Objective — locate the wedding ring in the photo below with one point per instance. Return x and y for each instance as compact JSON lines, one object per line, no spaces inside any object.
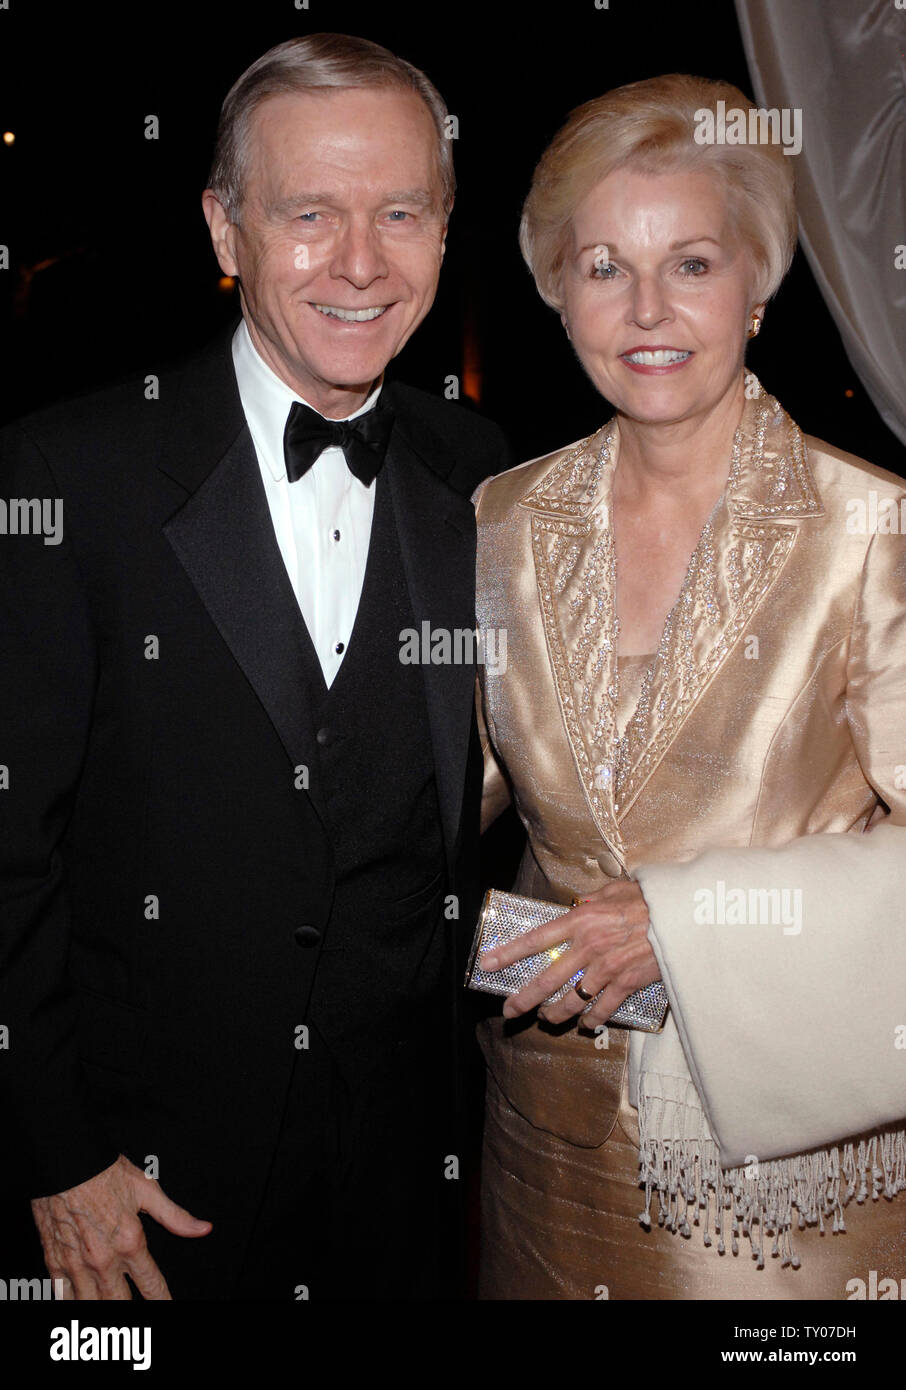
{"x":583,"y":994}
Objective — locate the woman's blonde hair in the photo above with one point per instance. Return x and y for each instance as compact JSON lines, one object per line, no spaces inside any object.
{"x":650,"y":127}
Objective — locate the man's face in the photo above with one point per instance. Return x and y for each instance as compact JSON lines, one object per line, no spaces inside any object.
{"x":341,"y":237}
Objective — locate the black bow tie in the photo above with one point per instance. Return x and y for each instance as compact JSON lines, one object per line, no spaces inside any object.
{"x":363,"y":440}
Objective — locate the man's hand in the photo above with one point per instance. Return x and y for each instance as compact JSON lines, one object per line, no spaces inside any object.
{"x":93,"y":1237}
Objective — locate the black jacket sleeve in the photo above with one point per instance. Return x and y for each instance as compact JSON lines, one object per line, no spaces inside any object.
{"x":47,"y":689}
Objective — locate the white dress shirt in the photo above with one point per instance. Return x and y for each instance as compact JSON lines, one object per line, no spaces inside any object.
{"x":322,"y":522}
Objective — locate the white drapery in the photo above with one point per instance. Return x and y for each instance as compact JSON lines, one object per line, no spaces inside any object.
{"x":843,"y":64}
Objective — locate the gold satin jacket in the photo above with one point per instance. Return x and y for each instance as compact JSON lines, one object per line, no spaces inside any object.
{"x":777,"y":703}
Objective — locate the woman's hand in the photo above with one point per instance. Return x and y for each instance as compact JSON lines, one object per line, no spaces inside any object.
{"x":608,"y":939}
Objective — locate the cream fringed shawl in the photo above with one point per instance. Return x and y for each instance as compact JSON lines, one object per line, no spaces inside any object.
{"x":760,"y":1119}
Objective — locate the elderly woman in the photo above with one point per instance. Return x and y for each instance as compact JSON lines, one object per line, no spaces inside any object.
{"x":703,"y":710}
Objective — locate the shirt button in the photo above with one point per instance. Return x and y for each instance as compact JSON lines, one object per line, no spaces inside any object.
{"x":307,"y":936}
{"x":336,"y":535}
{"x":340,"y":647}
{"x":323,"y":737}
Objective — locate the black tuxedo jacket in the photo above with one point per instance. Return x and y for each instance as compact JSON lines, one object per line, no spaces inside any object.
{"x":158,"y":857}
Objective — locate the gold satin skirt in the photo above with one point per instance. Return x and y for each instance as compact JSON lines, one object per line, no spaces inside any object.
{"x":560,"y":1203}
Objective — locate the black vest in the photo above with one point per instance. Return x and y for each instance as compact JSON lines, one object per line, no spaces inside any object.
{"x":383,"y":956}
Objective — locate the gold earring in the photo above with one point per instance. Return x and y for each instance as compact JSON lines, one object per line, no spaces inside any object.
{"x":754,"y":326}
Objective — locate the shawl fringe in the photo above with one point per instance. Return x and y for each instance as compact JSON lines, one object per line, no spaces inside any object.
{"x":679,"y":1160}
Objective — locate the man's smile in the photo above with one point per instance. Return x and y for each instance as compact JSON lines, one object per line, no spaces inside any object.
{"x":351,"y":315}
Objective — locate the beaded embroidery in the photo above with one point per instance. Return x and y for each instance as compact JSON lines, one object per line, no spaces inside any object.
{"x":738,"y":556}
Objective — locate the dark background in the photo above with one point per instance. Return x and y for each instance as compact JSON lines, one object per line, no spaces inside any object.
{"x":112,"y":271}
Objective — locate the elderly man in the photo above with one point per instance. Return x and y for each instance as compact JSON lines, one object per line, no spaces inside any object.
{"x":236,"y":820}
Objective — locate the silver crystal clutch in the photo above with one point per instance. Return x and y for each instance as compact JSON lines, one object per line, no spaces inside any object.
{"x":504,"y":916}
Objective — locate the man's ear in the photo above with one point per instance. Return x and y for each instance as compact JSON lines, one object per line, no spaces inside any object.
{"x":222,"y":232}
{"x":446,"y":228}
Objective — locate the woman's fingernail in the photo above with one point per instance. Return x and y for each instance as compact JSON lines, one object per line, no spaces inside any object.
{"x":489,"y":962}
{"x":508,"y":1010}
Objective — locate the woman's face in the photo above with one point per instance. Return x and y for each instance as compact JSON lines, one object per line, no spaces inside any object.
{"x":658,"y":294}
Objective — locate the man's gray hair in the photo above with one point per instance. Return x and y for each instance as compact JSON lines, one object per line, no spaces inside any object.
{"x":316,"y":63}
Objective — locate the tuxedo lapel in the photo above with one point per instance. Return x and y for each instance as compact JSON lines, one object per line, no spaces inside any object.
{"x":436,"y":528}
{"x":224,"y":539}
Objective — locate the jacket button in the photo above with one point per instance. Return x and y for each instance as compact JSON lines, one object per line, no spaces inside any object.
{"x":323,"y":737}
{"x":307,"y":936}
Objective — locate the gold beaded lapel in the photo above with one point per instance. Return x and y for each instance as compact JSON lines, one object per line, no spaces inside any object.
{"x":742,"y":549}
